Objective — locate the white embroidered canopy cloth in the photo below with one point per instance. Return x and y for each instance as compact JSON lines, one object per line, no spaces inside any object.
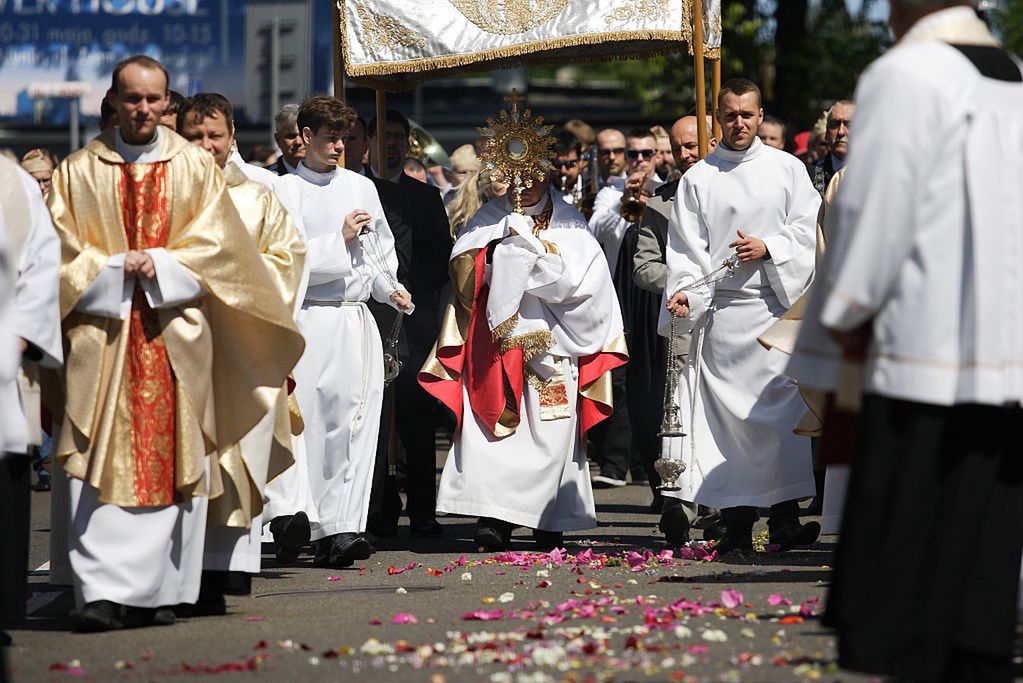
{"x":405,"y":42}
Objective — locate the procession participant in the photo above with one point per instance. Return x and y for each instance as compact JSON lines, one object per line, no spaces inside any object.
{"x":38,"y":164}
{"x":615,"y":450}
{"x":161,"y":289}
{"x":610,"y":156}
{"x":289,"y":139}
{"x":836,"y":134}
{"x":234,"y":524}
{"x":33,"y":257}
{"x":566,"y":181}
{"x":527,"y":342}
{"x":169,"y":118}
{"x":645,"y":244}
{"x":739,"y":410}
{"x":772,"y":132}
{"x":923,"y":283}
{"x":428,"y":273}
{"x":340,"y":378}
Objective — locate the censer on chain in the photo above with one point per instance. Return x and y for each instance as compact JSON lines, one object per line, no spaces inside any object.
{"x":392,"y":365}
{"x":667,"y":467}
{"x":670,"y":468}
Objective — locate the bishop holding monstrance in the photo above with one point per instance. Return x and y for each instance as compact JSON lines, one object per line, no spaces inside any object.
{"x":525,"y":351}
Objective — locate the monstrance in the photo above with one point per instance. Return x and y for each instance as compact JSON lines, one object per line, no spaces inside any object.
{"x":516,"y":148}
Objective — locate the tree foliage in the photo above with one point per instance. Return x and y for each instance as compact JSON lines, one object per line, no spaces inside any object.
{"x":804,"y":55}
{"x":1007,"y":17}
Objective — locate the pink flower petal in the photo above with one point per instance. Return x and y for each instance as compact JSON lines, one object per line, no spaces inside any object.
{"x":392,"y":570}
{"x":333,"y":578}
{"x":483,"y":615}
{"x":774,"y":600}
{"x":731,"y":598}
{"x":404,"y":618}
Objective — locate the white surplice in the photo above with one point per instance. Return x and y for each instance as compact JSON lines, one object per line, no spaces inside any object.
{"x":737,"y":407}
{"x":944,"y":301}
{"x":537,"y":476}
{"x":35,"y":315}
{"x":340,"y":377}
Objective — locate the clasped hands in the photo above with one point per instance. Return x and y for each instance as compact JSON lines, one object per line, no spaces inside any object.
{"x":748,"y":248}
{"x":139,"y":263}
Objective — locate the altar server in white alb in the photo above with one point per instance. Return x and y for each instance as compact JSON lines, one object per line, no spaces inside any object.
{"x":340,"y":378}
{"x":737,"y":407}
{"x":923,"y":281}
{"x":523,"y":361}
{"x":34,"y":327}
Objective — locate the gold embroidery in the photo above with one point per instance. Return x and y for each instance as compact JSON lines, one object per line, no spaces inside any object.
{"x":533,"y":343}
{"x":383,"y":32}
{"x":505,"y":328}
{"x":649,"y":9}
{"x":552,"y":393}
{"x":508,"y":17}
{"x":711,"y":27}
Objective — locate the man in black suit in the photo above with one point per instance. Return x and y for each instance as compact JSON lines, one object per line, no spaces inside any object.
{"x":415,"y":410}
{"x":289,"y":140}
{"x":837,"y":136}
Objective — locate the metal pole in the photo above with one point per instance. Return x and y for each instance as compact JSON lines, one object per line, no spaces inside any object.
{"x":701,"y":85}
{"x":75,"y":142}
{"x":275,"y":71}
{"x":382,"y":134}
{"x":715,"y":89}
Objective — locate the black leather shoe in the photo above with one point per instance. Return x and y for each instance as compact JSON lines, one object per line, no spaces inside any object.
{"x":141,"y":617}
{"x":492,"y":535}
{"x":674,"y":525}
{"x":98,"y":616}
{"x":291,"y":533}
{"x":715,"y":530}
{"x":43,"y":484}
{"x":790,"y":537}
{"x":164,"y":616}
{"x":740,"y":540}
{"x":548,"y":540}
{"x":346,"y":549}
{"x":428,"y":526}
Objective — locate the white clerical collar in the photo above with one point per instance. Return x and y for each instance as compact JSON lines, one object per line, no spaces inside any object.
{"x":137,"y":153}
{"x":951,"y":25}
{"x":288,"y":167}
{"x":737,"y":156}
{"x":539,"y":207}
{"x":314,"y":177}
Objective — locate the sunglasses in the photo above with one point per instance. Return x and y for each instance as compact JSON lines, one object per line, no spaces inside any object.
{"x":611,"y":151}
{"x":634,"y":154}
{"x":566,"y":163}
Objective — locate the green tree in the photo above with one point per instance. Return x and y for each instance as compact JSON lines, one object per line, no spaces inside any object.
{"x":1007,"y":18}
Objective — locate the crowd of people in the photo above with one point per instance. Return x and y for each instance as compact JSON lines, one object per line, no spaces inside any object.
{"x":219,"y":350}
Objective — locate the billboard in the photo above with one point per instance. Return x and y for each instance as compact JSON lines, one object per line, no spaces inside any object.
{"x":201,"y":42}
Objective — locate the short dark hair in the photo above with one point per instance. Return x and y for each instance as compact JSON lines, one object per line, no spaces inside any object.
{"x":362,"y":122}
{"x":145,"y":62}
{"x":324,"y":111}
{"x":641,"y":133}
{"x":565,"y":141}
{"x":390,"y":116}
{"x":176,"y":100}
{"x":205,"y":105}
{"x":778,"y":122}
{"x":738,"y":86}
{"x":106,"y":111}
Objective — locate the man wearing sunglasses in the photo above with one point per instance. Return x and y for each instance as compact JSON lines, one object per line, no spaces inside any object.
{"x":610,"y":154}
{"x":565,"y":181}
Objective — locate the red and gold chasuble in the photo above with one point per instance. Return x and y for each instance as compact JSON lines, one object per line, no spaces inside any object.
{"x":149,"y":378}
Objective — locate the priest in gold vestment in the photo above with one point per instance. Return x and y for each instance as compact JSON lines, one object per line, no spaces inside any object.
{"x":234,"y":524}
{"x":177,"y":344}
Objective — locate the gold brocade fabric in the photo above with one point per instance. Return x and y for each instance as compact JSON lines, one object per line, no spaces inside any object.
{"x":229,"y":351}
{"x":245,"y":471}
{"x":600,"y":389}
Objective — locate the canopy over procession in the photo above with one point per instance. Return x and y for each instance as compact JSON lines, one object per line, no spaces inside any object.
{"x":204,"y":357}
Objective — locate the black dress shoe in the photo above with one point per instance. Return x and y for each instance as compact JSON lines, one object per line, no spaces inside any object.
{"x":674,"y":525}
{"x":740,"y":540}
{"x":291,"y":533}
{"x":548,"y":540}
{"x":714,"y":531}
{"x":98,"y":616}
{"x":428,"y":526}
{"x":492,"y":535}
{"x":346,"y":549}
{"x":141,"y":617}
{"x":790,"y":537}
{"x":43,"y":484}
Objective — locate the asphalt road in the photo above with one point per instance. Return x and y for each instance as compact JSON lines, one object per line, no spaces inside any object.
{"x":431,"y":610}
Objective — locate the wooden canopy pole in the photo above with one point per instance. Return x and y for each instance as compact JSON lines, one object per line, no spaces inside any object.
{"x":339,"y":63}
{"x":381,"y":134}
{"x":701,"y":84}
{"x":715,"y":89}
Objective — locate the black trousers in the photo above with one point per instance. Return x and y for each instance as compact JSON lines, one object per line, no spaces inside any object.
{"x":15,"y":510}
{"x":416,"y":419}
{"x":928,"y":562}
{"x":612,"y":438}
{"x":384,"y":501}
